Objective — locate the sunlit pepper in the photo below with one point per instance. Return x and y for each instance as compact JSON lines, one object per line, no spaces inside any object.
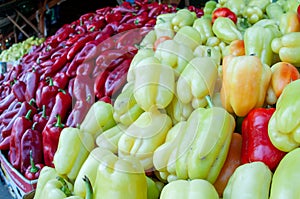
{"x":120,"y":178}
{"x":204,"y":26}
{"x":196,"y":81}
{"x":197,"y":188}
{"x":226,"y":30}
{"x":283,"y":128}
{"x":150,"y":129}
{"x":251,"y":179}
{"x":289,"y":22}
{"x":154,"y":84}
{"x":253,"y":79}
{"x":288,"y":47}
{"x":285,"y":181}
{"x":68,"y":162}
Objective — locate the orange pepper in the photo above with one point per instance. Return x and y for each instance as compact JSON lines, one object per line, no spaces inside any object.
{"x":232,"y":161}
{"x":237,"y":48}
{"x":289,"y":22}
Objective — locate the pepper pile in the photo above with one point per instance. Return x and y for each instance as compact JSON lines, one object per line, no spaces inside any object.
{"x":55,"y":84}
{"x":175,"y":123}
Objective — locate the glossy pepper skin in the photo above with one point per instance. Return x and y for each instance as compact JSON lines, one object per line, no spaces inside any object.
{"x":33,"y":171}
{"x":288,"y":47}
{"x":120,"y":178}
{"x":226,"y":30}
{"x":224,"y":12}
{"x":68,"y":162}
{"x":283,"y":126}
{"x":251,"y":179}
{"x":253,"y":77}
{"x":256,"y":142}
{"x":285,"y":180}
{"x":197,"y":188}
{"x":183,"y":17}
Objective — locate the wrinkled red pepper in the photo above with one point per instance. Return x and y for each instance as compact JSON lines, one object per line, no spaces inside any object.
{"x":224,"y":12}
{"x":31,"y":149}
{"x":58,"y":64}
{"x":51,"y":135}
{"x":19,"y":127}
{"x":256,"y":144}
{"x":34,"y":170}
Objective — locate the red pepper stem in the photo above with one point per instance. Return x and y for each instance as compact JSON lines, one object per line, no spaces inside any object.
{"x":65,"y":187}
{"x":89,"y":188}
{"x":33,"y":168}
{"x":44,"y":112}
{"x":209,"y":101}
{"x":28,"y":114}
{"x":58,"y":122}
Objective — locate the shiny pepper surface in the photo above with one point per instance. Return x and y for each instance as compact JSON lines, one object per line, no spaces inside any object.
{"x":244,"y":85}
{"x":154,"y":84}
{"x":226,"y":30}
{"x":198,"y":148}
{"x":283,"y":128}
{"x":183,"y":17}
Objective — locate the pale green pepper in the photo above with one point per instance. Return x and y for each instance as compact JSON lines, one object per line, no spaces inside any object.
{"x":285,"y":181}
{"x":283,"y":128}
{"x":261,"y":4}
{"x":196,"y":81}
{"x":148,"y":40}
{"x":183,"y":17}
{"x":209,"y":7}
{"x":174,"y":54}
{"x":126,"y":110}
{"x":143,"y":136}
{"x":204,"y":26}
{"x":188,"y":36}
{"x":56,"y":188}
{"x":154,"y":84}
{"x":289,"y":22}
{"x":208,"y":51}
{"x":251,"y":180}
{"x":179,"y":111}
{"x":120,"y":178}
{"x":192,"y":189}
{"x":226,"y":30}
{"x":68,"y":162}
{"x":253,"y":14}
{"x":236,"y":6}
{"x":274,"y":11}
{"x":164,"y":29}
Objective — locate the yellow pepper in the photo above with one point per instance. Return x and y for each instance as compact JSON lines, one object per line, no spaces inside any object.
{"x":184,"y":189}
{"x":283,"y":128}
{"x":196,"y":81}
{"x":120,"y":178}
{"x":244,"y":84}
{"x":154,"y":84}
{"x":251,"y":180}
{"x":73,"y":148}
{"x":143,"y":136}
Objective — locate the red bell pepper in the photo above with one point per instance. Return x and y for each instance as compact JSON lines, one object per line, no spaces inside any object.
{"x":51,"y":135}
{"x":19,"y":127}
{"x":40,"y":120}
{"x":10,"y":112}
{"x":34,"y":170}
{"x":83,"y":89}
{"x":79,"y":45}
{"x":96,"y":25}
{"x":113,"y":16}
{"x":31,"y":148}
{"x":78,"y":113}
{"x":31,"y":81}
{"x":58,"y":64}
{"x":224,"y":12}
{"x":86,"y":68}
{"x":256,"y":144}
{"x":19,"y":89}
{"x":61,"y":80}
{"x":5,"y":143}
{"x":109,"y":59}
{"x":155,"y":10}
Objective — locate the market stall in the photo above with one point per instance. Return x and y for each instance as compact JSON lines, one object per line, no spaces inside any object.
{"x":150,"y":99}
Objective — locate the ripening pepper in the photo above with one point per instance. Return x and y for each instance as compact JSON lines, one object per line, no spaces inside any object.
{"x":199,"y":148}
{"x":183,"y":17}
{"x":289,"y":22}
{"x":184,"y":189}
{"x":226,"y":30}
{"x":68,"y":162}
{"x":282,"y":74}
{"x":257,"y":41}
{"x":253,"y":79}
{"x":120,"y":178}
{"x":174,"y":54}
{"x":154,"y":84}
{"x":251,"y":180}
{"x":150,"y":129}
{"x":285,"y":181}
{"x":98,"y":119}
{"x":196,"y":81}
{"x":204,"y":26}
{"x":288,"y":47}
{"x":283,"y":128}
{"x":256,"y":145}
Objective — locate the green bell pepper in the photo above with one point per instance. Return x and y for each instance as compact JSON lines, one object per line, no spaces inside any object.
{"x":250,"y":180}
{"x":285,"y":181}
{"x":284,"y":125}
{"x":226,"y":30}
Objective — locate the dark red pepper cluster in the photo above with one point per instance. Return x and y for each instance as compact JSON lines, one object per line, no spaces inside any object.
{"x":55,"y":84}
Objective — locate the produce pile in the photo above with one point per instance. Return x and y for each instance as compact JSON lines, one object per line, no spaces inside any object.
{"x":17,"y":50}
{"x":199,"y":104}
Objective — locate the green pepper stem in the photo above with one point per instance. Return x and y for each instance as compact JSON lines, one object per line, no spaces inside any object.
{"x":28,"y":114}
{"x":209,"y":52}
{"x":64,"y":187}
{"x":33,"y":126}
{"x":50,"y":80}
{"x":44,"y":112}
{"x":89,"y":188}
{"x":33,"y":168}
{"x":58,"y":122}
{"x":209,"y":101}
{"x":62,"y":90}
{"x":31,"y":102}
